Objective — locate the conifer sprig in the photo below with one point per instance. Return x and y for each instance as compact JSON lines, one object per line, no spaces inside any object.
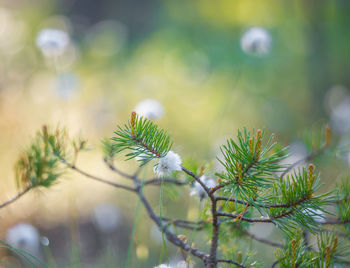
{"x":328,"y":249}
{"x":249,"y":165}
{"x":298,"y":190}
{"x":39,"y":165}
{"x":144,"y":139}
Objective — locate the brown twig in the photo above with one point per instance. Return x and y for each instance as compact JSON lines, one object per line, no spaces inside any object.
{"x":234,"y":216}
{"x":231,"y":261}
{"x":16,"y":197}
{"x":93,"y":177}
{"x":286,"y":205}
{"x":157,"y":181}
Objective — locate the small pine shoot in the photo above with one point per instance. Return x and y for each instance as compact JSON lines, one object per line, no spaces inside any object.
{"x":144,"y":140}
{"x":39,"y":165}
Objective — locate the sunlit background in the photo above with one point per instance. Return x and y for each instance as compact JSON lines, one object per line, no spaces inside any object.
{"x":201,"y":69}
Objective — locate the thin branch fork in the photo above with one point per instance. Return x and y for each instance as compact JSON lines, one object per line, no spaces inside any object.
{"x":190,"y":173}
{"x":170,"y":236}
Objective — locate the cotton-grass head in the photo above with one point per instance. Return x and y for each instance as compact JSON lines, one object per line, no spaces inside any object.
{"x":256,"y":41}
{"x":52,"y":42}
{"x":25,"y":237}
{"x":162,"y":266}
{"x":197,"y":189}
{"x":167,"y":164}
{"x":150,"y":109}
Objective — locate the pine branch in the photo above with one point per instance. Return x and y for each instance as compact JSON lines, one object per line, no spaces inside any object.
{"x":142,"y":138}
{"x":15,"y":198}
{"x":157,"y":181}
{"x":230,"y":261}
{"x":170,"y":236}
{"x":286,"y":205}
{"x":93,"y":177}
{"x":234,"y":216}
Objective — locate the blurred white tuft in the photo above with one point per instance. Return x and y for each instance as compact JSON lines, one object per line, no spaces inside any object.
{"x":52,"y":42}
{"x":256,"y":41}
{"x":198,"y":190}
{"x":167,"y":164}
{"x":25,"y":237}
{"x":150,"y":109}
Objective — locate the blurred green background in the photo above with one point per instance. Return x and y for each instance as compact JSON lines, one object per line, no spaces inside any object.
{"x":187,"y":55}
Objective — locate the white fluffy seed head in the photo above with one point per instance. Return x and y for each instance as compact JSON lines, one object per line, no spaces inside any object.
{"x":198,"y":190}
{"x":256,"y":41}
{"x":162,"y":266}
{"x":25,"y":237}
{"x":150,"y":109}
{"x":52,"y":42}
{"x":167,"y":164}
{"x":184,"y":264}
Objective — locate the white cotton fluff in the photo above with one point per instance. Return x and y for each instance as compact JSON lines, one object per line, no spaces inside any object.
{"x":52,"y":42}
{"x":150,"y":109}
{"x":25,"y":237}
{"x":184,"y":264}
{"x":198,"y":190}
{"x":162,"y":266}
{"x":256,"y":41}
{"x":167,"y":164}
{"x":316,"y":214}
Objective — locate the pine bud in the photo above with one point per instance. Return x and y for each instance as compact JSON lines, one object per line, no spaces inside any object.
{"x":251,"y":144}
{"x":312,"y":177}
{"x":45,"y":133}
{"x":258,"y":134}
{"x":201,"y":170}
{"x":258,"y":143}
{"x":328,"y":256}
{"x":311,"y":169}
{"x":239,"y":257}
{"x":335,"y":244}
{"x":132,"y":123}
{"x":294,"y":252}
